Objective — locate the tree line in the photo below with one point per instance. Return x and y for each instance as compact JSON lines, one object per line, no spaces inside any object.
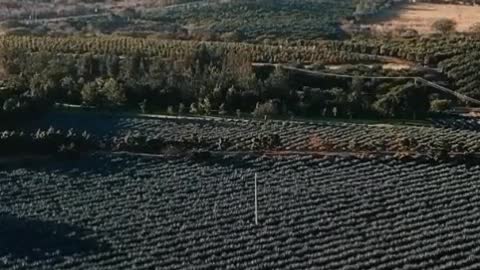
{"x":208,"y":79}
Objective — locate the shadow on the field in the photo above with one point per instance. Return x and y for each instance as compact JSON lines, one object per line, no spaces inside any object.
{"x":233,"y":161}
{"x":36,"y":240}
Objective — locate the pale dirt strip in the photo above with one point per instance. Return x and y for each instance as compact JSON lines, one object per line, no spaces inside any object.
{"x":416,"y":79}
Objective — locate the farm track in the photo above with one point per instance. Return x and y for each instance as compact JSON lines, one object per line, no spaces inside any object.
{"x":416,"y":79}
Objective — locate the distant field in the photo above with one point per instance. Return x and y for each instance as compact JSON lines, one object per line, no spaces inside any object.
{"x":421,"y":16}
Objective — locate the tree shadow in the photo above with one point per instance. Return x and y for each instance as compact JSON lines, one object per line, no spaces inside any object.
{"x":34,"y":240}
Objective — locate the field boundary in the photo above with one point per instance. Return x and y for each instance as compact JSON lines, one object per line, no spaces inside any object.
{"x":229,"y":118}
{"x":359,"y":154}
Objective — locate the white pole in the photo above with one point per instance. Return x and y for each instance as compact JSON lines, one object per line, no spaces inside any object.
{"x":256,"y":201}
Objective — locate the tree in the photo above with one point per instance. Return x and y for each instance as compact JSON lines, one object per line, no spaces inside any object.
{"x":387,"y":104}
{"x":205,"y":106}
{"x":277,"y":85}
{"x":269,"y":108}
{"x":415,"y":99}
{"x":41,"y":87}
{"x":114,"y":92}
{"x":90,"y":94}
{"x":444,"y":25}
{"x":356,"y":99}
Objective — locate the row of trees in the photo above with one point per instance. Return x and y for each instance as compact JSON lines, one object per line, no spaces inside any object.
{"x":46,"y":142}
{"x":205,"y":81}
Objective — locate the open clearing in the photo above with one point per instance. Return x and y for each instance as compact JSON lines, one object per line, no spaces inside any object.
{"x":420,"y":16}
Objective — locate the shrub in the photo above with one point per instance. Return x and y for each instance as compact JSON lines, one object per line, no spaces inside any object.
{"x":444,"y":25}
{"x":440,"y":105}
{"x":269,"y":108}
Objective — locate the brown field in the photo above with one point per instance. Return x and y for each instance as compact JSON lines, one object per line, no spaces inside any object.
{"x":420,"y":16}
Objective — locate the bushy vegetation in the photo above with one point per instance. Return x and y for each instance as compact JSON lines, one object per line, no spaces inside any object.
{"x":267,"y":19}
{"x":204,"y":77}
{"x":232,"y":20}
{"x":263,"y":19}
{"x":181,"y":135}
{"x":455,"y":55}
{"x":45,"y":142}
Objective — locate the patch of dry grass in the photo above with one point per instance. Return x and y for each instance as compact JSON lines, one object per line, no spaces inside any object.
{"x":421,"y":16}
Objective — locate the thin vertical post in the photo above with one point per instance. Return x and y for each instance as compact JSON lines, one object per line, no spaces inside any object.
{"x":256,"y":201}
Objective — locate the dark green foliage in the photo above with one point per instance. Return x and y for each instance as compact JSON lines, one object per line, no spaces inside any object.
{"x":48,"y":142}
{"x":263,"y":19}
{"x":213,"y":78}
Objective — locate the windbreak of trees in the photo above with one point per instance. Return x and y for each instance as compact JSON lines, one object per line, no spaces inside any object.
{"x":196,"y":78}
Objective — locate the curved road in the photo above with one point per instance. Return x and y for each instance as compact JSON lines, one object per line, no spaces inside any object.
{"x":416,"y":79}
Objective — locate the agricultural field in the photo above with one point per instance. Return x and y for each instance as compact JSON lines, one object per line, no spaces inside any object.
{"x":122,"y":211}
{"x":230,"y":20}
{"x":315,"y":136}
{"x":154,"y":135}
{"x":421,"y":16}
{"x":255,"y":19}
{"x":40,"y":10}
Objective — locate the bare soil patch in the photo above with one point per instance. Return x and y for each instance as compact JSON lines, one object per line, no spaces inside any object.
{"x":421,"y":16}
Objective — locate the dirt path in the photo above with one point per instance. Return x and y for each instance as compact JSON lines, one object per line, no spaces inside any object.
{"x":416,"y":79}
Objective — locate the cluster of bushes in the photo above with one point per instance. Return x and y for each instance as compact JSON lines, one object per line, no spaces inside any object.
{"x":266,"y":142}
{"x":155,"y":144}
{"x":158,"y":145}
{"x":17,"y":105}
{"x":46,"y":142}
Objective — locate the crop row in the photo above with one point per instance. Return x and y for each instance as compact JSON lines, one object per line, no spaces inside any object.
{"x":457,"y":123}
{"x":294,"y":136}
{"x":314,"y":213}
{"x":177,"y":50}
